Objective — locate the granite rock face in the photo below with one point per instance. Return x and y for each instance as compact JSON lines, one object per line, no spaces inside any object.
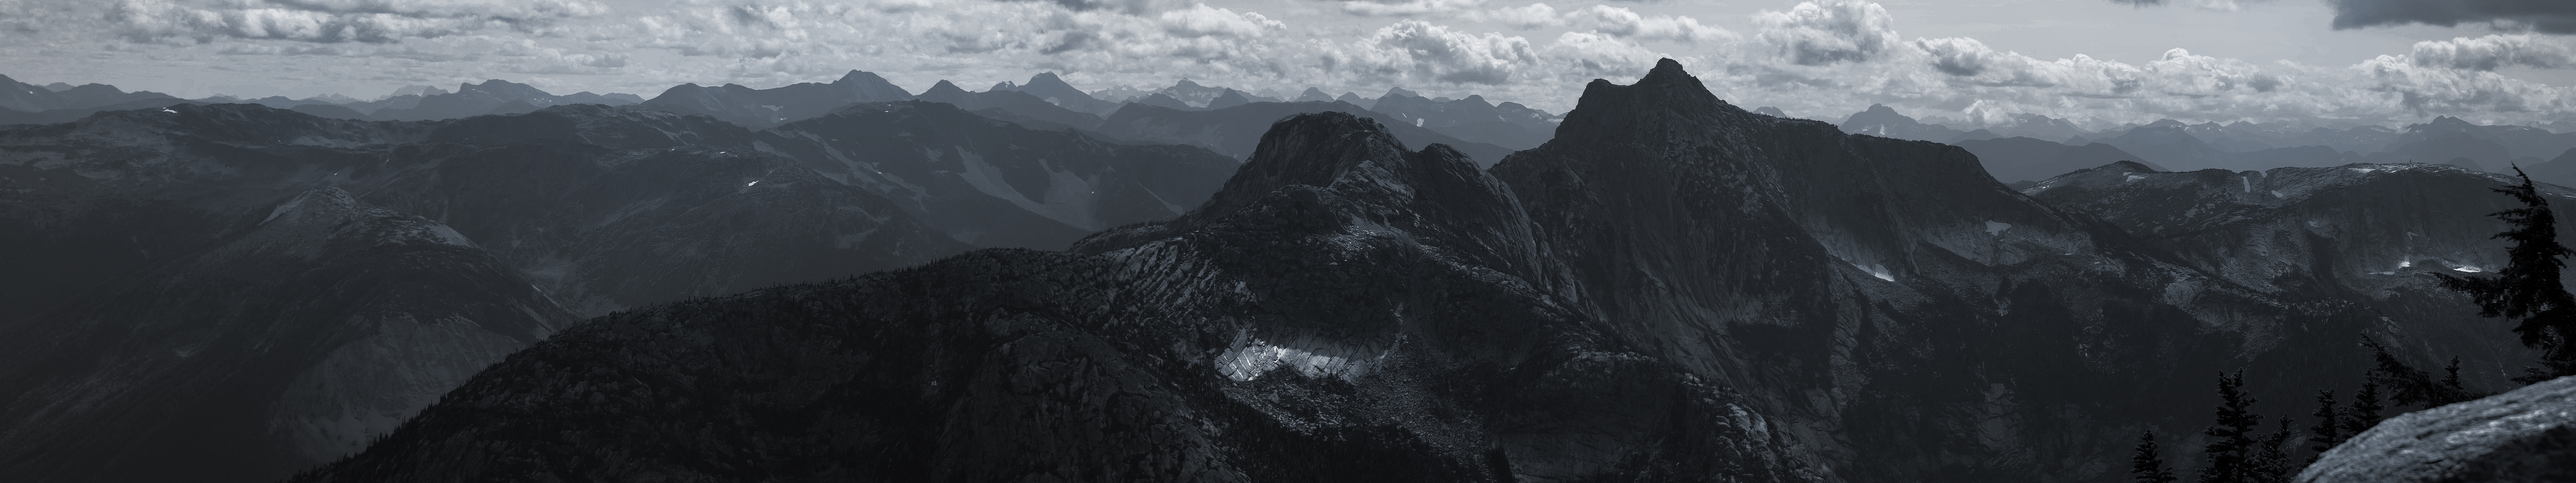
{"x":2527,"y":435}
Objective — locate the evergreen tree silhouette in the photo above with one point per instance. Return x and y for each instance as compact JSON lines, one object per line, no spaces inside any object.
{"x":2528,"y":286}
{"x":2328,"y":432}
{"x":2271,"y":463}
{"x":2364,"y":413}
{"x":2410,"y":386}
{"x":2149,"y":465}
{"x":2230,"y":449}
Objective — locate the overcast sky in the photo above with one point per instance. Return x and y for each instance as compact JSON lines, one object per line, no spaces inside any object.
{"x":2096,"y":61}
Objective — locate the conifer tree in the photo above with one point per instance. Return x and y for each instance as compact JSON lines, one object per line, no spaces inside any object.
{"x":2328,"y":431}
{"x":2410,"y":386}
{"x":2364,"y":413}
{"x":2528,"y":286}
{"x":2453,"y":381}
{"x":2271,"y":463}
{"x":2149,"y":464}
{"x":2230,"y":449}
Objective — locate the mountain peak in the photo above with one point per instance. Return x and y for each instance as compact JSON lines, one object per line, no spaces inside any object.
{"x":943,"y":87}
{"x":1667,"y":70}
{"x":2130,"y":167}
{"x":1328,"y":171}
{"x":1305,"y":149}
{"x":1666,"y":92}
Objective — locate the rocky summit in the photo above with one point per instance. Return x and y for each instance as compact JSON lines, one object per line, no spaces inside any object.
{"x":2528,"y":435}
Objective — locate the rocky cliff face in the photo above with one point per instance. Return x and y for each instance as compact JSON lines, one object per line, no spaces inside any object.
{"x":2528,"y":435}
{"x":1903,"y":314}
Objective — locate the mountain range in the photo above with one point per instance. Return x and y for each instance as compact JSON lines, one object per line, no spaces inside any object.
{"x":2237,"y":146}
{"x":965,"y":286}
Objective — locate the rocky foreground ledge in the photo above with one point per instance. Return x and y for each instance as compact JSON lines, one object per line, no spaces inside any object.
{"x":2528,"y":435}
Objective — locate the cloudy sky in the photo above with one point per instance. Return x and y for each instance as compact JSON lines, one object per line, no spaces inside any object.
{"x":2095,"y":61}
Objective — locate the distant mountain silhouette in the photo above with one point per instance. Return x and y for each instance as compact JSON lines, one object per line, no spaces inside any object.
{"x":765,"y":108}
{"x":490,"y":97}
{"x":1509,"y":125}
{"x":1017,"y":102}
{"x":18,"y":96}
{"x":2027,"y":159}
{"x":1047,"y":86}
{"x":995,"y":184}
{"x":1236,"y":131}
{"x":1883,"y":121}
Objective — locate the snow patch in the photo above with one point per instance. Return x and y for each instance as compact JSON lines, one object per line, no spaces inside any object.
{"x":2364,"y":170}
{"x":747,"y":185}
{"x":2277,"y":194}
{"x":165,"y":109}
{"x":1879,"y":271}
{"x":2249,"y":183}
{"x":2133,"y":177}
{"x":2467,"y":268}
{"x":1250,"y":361}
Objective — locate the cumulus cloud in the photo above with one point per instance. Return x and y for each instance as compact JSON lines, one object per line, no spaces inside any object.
{"x":1816,"y":62}
{"x":1622,"y":22}
{"x":1202,"y":21}
{"x":332,"y":21}
{"x":2213,"y":5}
{"x":2552,"y":16}
{"x":2495,"y":51}
{"x":1829,"y":31}
{"x":1407,"y":8}
{"x":1532,"y":16}
{"x":1608,"y":20}
{"x":1413,"y":50}
{"x":1128,"y":6}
